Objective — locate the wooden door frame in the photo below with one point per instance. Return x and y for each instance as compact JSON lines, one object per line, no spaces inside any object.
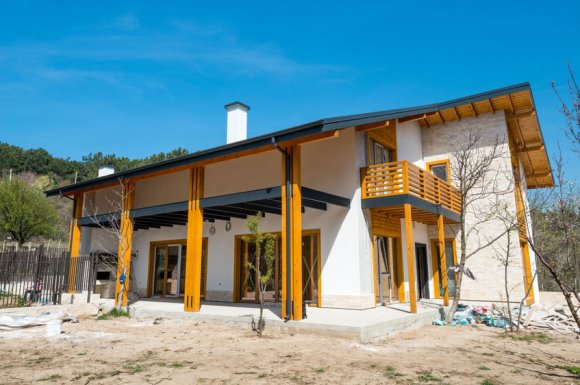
{"x":151,"y":267}
{"x":435,"y":263}
{"x":237,"y":257}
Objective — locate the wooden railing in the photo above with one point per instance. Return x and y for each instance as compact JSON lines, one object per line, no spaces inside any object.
{"x":395,"y":178}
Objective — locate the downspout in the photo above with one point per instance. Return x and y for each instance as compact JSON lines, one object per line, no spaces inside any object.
{"x":288,"y":229}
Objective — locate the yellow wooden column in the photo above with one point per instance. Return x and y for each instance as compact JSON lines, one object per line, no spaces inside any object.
{"x":75,"y":239}
{"x":295,"y":235}
{"x":442,"y":260}
{"x":125,"y":241}
{"x":192,"y":297}
{"x":410,"y":257}
{"x":284,"y":242}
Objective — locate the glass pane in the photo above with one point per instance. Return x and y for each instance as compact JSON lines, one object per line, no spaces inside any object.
{"x":172,"y":272}
{"x":379,"y":154}
{"x":159,"y":280}
{"x":183,"y":266}
{"x":448,"y":262}
{"x":440,"y":171}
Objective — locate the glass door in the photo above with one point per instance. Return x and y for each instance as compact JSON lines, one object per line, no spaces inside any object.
{"x":310,"y":268}
{"x":167,"y":261}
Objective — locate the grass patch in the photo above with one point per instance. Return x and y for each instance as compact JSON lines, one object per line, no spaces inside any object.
{"x":134,"y":368}
{"x":484,"y":368}
{"x":428,"y":377}
{"x":114,"y":313}
{"x":392,"y":372}
{"x":52,"y":377}
{"x":177,"y":365}
{"x":487,"y":382}
{"x":319,"y":370}
{"x":487,"y":354}
{"x":540,"y":337}
{"x":571,"y":369}
{"x":262,"y":375}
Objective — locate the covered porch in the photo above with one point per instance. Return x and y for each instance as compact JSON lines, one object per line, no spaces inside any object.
{"x":400,"y":194}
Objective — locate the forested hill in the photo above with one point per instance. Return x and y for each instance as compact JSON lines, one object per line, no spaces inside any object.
{"x":62,"y":171}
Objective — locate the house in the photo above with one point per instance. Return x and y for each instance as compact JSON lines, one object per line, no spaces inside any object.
{"x":364,"y":206}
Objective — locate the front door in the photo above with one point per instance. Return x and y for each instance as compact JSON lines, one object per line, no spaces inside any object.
{"x":422,"y":269}
{"x":167,"y":270}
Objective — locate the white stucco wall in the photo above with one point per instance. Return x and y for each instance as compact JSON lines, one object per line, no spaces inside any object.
{"x":410,"y":143}
{"x":161,"y":190}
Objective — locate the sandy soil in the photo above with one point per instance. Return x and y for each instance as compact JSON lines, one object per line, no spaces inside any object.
{"x":126,"y":351}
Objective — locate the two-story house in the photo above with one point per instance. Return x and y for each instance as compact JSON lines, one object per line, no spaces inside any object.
{"x":364,"y":205}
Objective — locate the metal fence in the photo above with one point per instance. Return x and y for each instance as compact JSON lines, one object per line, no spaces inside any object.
{"x":42,"y":275}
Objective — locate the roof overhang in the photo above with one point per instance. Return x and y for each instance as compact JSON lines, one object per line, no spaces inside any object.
{"x":517,"y":102}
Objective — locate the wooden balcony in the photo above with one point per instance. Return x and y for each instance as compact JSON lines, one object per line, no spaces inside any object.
{"x":403,"y":178}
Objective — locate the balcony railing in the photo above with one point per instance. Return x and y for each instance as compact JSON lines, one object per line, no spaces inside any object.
{"x":396,"y":178}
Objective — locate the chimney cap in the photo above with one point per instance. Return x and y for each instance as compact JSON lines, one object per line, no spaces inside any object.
{"x":232,"y":105}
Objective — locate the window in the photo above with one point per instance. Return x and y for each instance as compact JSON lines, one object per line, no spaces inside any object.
{"x":440,"y":169}
{"x":381,"y":154}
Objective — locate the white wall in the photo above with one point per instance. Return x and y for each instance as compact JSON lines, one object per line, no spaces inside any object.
{"x":409,"y":143}
{"x":163,"y":189}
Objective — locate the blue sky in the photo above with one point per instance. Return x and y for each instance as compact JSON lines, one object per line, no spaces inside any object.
{"x":135,"y":78}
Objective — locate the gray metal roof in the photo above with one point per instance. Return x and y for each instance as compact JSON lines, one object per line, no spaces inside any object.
{"x":317,"y":126}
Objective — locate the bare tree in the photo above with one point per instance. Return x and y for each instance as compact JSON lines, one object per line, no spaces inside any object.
{"x":556,"y":247}
{"x":505,"y":254}
{"x":111,"y":224}
{"x":478,"y":174}
{"x":571,"y":112}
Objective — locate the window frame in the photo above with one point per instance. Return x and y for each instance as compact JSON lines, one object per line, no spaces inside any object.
{"x":441,"y":162}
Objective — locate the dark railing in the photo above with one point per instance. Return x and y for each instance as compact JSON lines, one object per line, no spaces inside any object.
{"x":42,"y":274}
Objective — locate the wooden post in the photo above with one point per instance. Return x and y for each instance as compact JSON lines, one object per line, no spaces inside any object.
{"x":75,"y":239}
{"x":296,"y":235}
{"x":410,"y":257}
{"x":125,"y":241}
{"x":284,"y":242}
{"x":192,"y":297}
{"x":442,"y":260}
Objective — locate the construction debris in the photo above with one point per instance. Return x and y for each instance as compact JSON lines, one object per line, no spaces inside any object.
{"x":18,"y":321}
{"x":556,"y":318}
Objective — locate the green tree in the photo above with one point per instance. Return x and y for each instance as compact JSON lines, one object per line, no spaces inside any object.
{"x":25,"y":212}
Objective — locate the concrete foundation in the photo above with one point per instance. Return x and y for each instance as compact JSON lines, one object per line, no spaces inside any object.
{"x":363,"y":325}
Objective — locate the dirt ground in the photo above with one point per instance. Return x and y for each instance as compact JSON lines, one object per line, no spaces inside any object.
{"x":127,"y":351}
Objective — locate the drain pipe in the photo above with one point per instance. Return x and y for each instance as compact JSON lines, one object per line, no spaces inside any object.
{"x":288,"y":229}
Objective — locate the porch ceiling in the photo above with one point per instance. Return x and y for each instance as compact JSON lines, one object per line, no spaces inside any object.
{"x":223,"y":207}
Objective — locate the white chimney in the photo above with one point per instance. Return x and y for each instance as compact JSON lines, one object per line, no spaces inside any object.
{"x":237,"y":121}
{"x":106,"y":170}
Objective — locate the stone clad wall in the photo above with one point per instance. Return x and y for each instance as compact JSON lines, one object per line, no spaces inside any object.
{"x":439,"y":143}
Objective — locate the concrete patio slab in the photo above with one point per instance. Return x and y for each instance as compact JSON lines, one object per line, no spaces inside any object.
{"x":363,"y":325}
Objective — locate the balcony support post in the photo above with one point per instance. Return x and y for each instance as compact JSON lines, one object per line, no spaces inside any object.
{"x":442,"y":260}
{"x":410,"y":257}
